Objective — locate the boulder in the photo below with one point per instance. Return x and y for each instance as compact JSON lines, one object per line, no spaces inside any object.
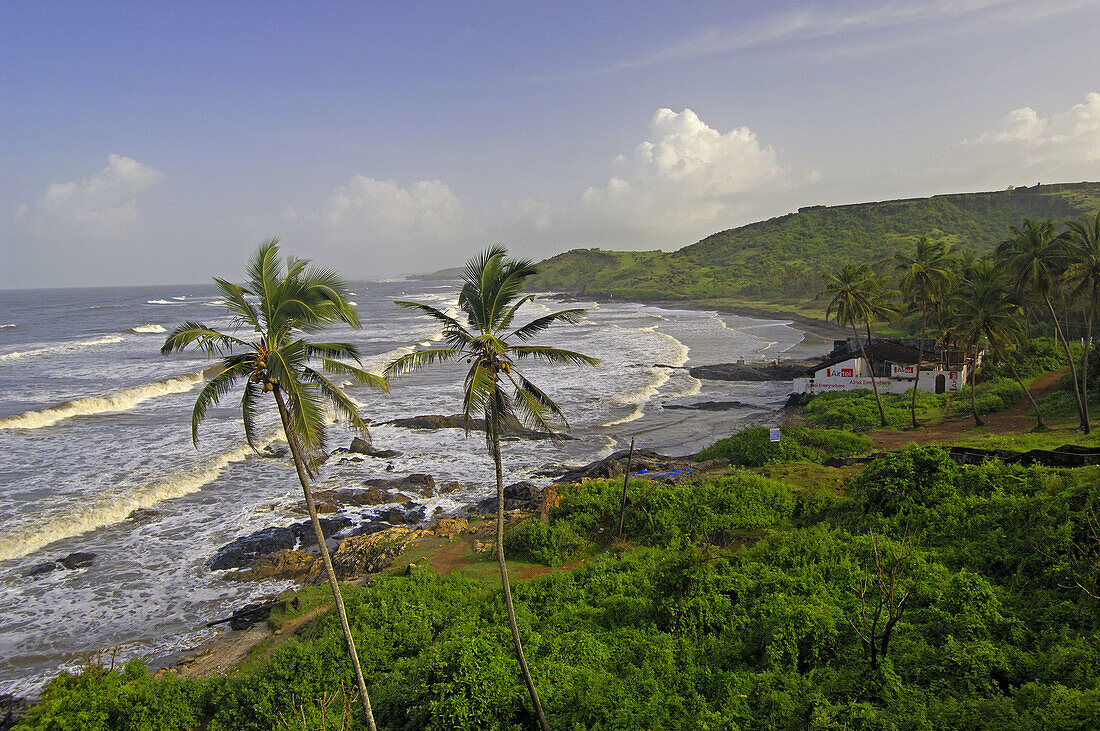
{"x":459,"y":421}
{"x":646,"y":464}
{"x":363,"y":446}
{"x":272,"y":450}
{"x":714,"y":406}
{"x":417,"y":483}
{"x":331,"y":501}
{"x":42,"y":569}
{"x":408,"y":513}
{"x":450,"y":528}
{"x":77,"y":560}
{"x":361,"y":555}
{"x":242,"y":551}
{"x":522,"y":496}
{"x":287,"y":565}
{"x":12,"y":709}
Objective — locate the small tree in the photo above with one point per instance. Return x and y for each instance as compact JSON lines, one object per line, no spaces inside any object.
{"x":279,"y":361}
{"x":881,"y":601}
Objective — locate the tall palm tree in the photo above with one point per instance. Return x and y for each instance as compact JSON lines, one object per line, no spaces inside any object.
{"x":494,"y":386}
{"x":853,"y":291}
{"x":279,"y":308}
{"x":925,"y":276}
{"x":986,"y":307}
{"x":1082,"y":239}
{"x":1035,"y":256}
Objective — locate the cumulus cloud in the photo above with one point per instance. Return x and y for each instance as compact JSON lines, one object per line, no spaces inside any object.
{"x":1063,"y":146}
{"x":104,"y":206}
{"x":686,"y":175}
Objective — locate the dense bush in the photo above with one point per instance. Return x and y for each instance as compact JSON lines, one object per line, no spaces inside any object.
{"x":1037,"y":355}
{"x":857,"y":410}
{"x":994,"y":395}
{"x":721,"y":615}
{"x":551,"y":544}
{"x":752,"y":447}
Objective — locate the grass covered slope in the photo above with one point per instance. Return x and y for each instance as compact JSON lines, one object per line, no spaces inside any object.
{"x":779,"y":261}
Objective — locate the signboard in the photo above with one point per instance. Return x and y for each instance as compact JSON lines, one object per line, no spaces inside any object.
{"x":773,"y":435}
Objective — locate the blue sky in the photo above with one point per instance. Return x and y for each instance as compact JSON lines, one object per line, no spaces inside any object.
{"x":154,"y":142}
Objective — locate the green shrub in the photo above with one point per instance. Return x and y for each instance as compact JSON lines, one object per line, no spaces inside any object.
{"x":916,"y":476}
{"x":994,"y":395}
{"x":551,"y":544}
{"x":857,"y":410}
{"x":752,"y":447}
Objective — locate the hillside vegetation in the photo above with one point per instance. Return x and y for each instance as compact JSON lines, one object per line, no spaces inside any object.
{"x":778,"y":262}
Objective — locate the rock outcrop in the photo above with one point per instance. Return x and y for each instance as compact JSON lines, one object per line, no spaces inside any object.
{"x":785,"y":371}
{"x":76,"y":560}
{"x":458,"y":421}
{"x":242,"y":551}
{"x":646,"y":464}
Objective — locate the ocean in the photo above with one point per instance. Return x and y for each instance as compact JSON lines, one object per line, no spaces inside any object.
{"x":97,"y":451}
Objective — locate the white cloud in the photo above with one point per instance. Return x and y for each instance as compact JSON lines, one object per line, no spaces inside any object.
{"x":1063,"y":146}
{"x":685,"y":177}
{"x":405,"y":224}
{"x":102,"y":207}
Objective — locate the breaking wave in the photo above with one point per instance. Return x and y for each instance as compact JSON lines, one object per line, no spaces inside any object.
{"x":150,"y":328}
{"x":64,"y":347}
{"x":10,"y":324}
{"x":121,"y":400}
{"x":110,"y":509}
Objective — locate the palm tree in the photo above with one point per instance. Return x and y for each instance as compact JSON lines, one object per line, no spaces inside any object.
{"x":1082,"y":241}
{"x":986,"y":308}
{"x":925,"y":276}
{"x":494,"y":386}
{"x":853,"y":291}
{"x":280,"y":307}
{"x":1034,"y":255}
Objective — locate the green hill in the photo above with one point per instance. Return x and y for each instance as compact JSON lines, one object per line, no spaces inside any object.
{"x":777,"y":264}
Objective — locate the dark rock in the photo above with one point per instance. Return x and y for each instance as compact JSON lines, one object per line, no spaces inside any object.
{"x":714,"y":406}
{"x":362,"y":446}
{"x":522,"y":496}
{"x":785,"y":371}
{"x":143,"y":515}
{"x":417,"y":483}
{"x":553,"y":471}
{"x":459,"y":421}
{"x":372,"y":553}
{"x":250,"y":614}
{"x":275,"y":451}
{"x":77,"y":560}
{"x":331,"y":501}
{"x":42,"y":569}
{"x":242,"y":551}
{"x":410,"y":569}
{"x":449,"y":487}
{"x":407,"y":514}
{"x":345,"y":460}
{"x":12,"y":708}
{"x":646,"y":464}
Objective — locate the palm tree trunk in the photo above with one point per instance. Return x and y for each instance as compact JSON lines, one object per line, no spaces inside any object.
{"x":974,"y":387}
{"x":874,"y":385}
{"x":1085,"y":358}
{"x":920,"y":357}
{"x":1039,"y":424}
{"x":1072,"y":365}
{"x":299,"y":465}
{"x":492,"y":424}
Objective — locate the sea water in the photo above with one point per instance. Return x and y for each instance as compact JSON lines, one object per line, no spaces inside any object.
{"x":98,"y":456}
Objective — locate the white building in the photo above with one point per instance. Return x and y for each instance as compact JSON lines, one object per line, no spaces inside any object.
{"x":892,"y":368}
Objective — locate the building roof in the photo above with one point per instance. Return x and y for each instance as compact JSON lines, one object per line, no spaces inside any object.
{"x":883,"y":350}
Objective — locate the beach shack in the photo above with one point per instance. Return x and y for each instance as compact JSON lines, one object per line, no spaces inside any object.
{"x":891,"y":364}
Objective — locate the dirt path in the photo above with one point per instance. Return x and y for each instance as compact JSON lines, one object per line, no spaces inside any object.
{"x":224,"y":652}
{"x":1011,"y":420}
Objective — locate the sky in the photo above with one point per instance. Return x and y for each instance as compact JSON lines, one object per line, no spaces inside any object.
{"x":160,"y":143}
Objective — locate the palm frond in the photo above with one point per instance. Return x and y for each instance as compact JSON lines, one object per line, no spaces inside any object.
{"x":553,"y":355}
{"x":539,"y":324}
{"x":235,"y":301}
{"x":338,"y":398}
{"x":511,"y":313}
{"x":249,"y":401}
{"x":346,"y":369}
{"x":416,"y":360}
{"x":212,"y":393}
{"x":332,"y":350}
{"x":206,"y":339}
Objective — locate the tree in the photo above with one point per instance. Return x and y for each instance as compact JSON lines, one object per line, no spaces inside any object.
{"x":880,"y":607}
{"x":1035,"y":256}
{"x":1082,"y":241}
{"x":987,"y":309}
{"x":490,"y":298}
{"x":852,"y":291}
{"x":278,"y":360}
{"x":924,"y":279}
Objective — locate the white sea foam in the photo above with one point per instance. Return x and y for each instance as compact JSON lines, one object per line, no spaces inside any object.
{"x":353,"y":304}
{"x":160,"y":302}
{"x":10,"y":324}
{"x":658,"y":376}
{"x":61,"y":348}
{"x":179,"y":298}
{"x":121,"y":400}
{"x":150,"y":328}
{"x":94,"y":513}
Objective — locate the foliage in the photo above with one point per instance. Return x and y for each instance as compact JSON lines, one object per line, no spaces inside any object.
{"x":856,"y":410}
{"x":753,"y":447}
{"x":1036,"y":356}
{"x":992,"y":395}
{"x":781,"y":259}
{"x":545,"y":543}
{"x":728,"y":608}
